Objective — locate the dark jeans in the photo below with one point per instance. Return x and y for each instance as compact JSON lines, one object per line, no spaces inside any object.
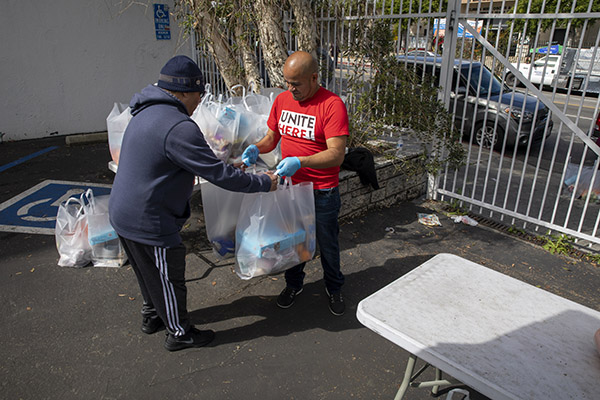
{"x":327,"y":209}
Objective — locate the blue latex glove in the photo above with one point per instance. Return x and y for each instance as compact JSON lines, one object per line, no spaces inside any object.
{"x":288,"y":166}
{"x":250,"y":155}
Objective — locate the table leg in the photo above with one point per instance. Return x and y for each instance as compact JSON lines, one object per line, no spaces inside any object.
{"x":410,"y":367}
{"x":438,"y":377}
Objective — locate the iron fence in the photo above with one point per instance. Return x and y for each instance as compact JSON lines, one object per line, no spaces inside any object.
{"x":521,"y":82}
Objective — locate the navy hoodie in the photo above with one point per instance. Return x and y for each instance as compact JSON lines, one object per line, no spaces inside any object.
{"x":162,"y":150}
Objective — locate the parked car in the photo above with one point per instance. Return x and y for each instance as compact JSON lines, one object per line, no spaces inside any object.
{"x":583,"y":68}
{"x":421,"y":53}
{"x":560,"y":69}
{"x":489,"y":107}
{"x":545,"y":70}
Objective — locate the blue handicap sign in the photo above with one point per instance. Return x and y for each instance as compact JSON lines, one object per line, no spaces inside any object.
{"x":161,"y":22}
{"x":34,"y":211}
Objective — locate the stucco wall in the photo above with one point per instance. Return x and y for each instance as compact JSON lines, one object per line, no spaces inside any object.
{"x":65,"y":62}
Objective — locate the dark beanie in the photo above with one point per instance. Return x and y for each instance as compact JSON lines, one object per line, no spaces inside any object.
{"x":181,"y":74}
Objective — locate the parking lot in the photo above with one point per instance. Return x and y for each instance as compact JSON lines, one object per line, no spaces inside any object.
{"x":74,"y":333}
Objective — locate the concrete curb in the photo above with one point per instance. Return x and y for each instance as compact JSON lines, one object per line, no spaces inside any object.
{"x":86,"y":138}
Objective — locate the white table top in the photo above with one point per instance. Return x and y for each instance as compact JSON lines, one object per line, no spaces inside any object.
{"x":501,"y":336}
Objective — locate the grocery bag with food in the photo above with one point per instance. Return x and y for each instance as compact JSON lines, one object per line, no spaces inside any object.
{"x":107,"y":250}
{"x":71,"y":234}
{"x":221,"y":209}
{"x":276,"y":230}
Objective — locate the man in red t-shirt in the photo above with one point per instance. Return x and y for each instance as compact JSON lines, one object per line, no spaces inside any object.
{"x":312,"y":124}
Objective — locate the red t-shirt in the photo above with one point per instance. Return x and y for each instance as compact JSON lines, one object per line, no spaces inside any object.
{"x":304,"y":127}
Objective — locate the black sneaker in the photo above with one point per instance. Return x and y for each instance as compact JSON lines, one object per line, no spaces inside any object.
{"x":286,"y":297}
{"x":152,"y":324}
{"x":193,"y":338}
{"x":336,"y":303}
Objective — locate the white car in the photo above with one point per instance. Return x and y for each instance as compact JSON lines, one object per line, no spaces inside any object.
{"x":545,"y":70}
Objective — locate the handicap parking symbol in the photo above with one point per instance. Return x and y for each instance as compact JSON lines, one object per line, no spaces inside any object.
{"x":34,"y":211}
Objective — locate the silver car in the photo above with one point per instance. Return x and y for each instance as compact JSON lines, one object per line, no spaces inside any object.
{"x":486,"y":107}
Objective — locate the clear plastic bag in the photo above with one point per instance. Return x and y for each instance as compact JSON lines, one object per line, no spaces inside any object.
{"x":218,"y":135}
{"x":107,"y":250}
{"x":71,"y":234}
{"x":221,"y":209}
{"x":584,"y":186}
{"x":116,"y":123}
{"x":230,"y":125}
{"x":276,"y":230}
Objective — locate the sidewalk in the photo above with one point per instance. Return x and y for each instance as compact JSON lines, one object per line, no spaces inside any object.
{"x":74,"y":333}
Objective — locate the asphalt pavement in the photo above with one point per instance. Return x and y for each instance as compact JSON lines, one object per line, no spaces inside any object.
{"x":75,"y":333}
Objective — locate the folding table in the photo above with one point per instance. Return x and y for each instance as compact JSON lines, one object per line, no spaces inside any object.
{"x":498,"y":335}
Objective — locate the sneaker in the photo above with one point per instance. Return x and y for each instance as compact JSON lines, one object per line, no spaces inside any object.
{"x":286,"y":297}
{"x":336,"y":303}
{"x":152,"y":324}
{"x":193,"y":338}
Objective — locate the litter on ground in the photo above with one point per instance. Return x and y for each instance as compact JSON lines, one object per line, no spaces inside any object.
{"x":429,"y":219}
{"x":464,"y":219}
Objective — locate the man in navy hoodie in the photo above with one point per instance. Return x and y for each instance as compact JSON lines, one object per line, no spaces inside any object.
{"x":162,"y":151}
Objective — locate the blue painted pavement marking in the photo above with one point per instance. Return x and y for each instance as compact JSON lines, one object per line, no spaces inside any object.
{"x":34,"y":211}
{"x":26,"y":158}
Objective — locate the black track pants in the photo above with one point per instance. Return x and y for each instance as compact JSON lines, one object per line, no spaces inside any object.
{"x":160,"y":272}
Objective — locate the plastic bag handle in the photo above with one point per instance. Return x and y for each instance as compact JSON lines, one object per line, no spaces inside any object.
{"x":252,"y":87}
{"x":75,"y":200}
{"x":231,"y":91}
{"x":207,"y":97}
{"x":89,"y":194}
{"x":287,"y":185}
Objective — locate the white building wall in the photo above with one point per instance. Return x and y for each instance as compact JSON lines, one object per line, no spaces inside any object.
{"x":65,"y":62}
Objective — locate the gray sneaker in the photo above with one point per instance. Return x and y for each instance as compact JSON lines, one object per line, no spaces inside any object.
{"x":286,"y":297}
{"x":336,"y":303}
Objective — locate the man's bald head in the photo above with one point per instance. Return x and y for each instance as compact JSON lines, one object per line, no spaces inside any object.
{"x":302,"y":63}
{"x":301,"y":74}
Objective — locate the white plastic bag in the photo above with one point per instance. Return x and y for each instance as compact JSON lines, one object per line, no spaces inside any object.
{"x":584,"y":186}
{"x":218,"y":136}
{"x":230,"y":125}
{"x":272,"y":158}
{"x":253,"y":123}
{"x":276,"y":230}
{"x":221,"y":209}
{"x":107,"y":250}
{"x":116,"y":123}
{"x":71,"y":233}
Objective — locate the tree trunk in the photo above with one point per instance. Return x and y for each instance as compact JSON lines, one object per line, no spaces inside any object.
{"x":306,"y":26}
{"x":269,"y":21}
{"x":249,"y":61}
{"x":219,"y":48}
{"x":207,"y":24}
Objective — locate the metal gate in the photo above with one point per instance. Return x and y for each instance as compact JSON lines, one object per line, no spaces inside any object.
{"x":522,"y":83}
{"x":532,"y":160}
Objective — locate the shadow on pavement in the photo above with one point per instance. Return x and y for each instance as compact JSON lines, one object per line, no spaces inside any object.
{"x":310,"y":309}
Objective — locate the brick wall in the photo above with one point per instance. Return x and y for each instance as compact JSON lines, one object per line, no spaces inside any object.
{"x":394,"y":186}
